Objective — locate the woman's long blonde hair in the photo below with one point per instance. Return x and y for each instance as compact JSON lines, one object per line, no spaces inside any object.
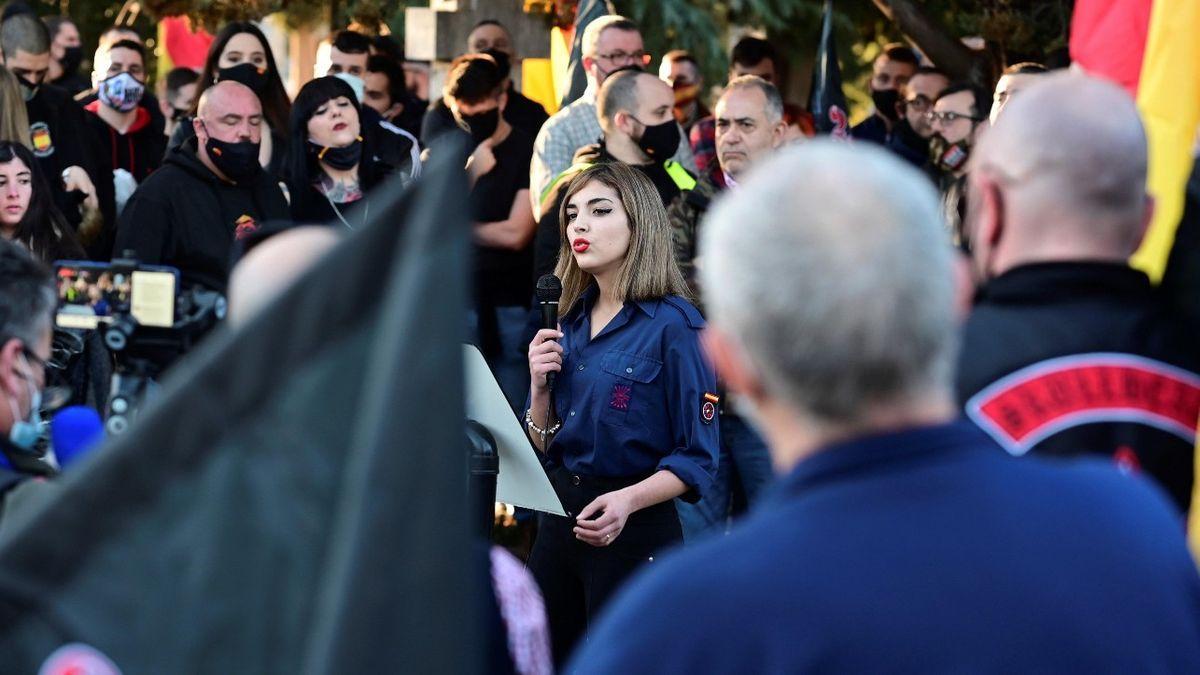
{"x":14,"y":121}
{"x":649,"y":270}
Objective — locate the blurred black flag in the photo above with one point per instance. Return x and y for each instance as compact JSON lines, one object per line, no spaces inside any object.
{"x":295,"y":502}
{"x":827,"y":102}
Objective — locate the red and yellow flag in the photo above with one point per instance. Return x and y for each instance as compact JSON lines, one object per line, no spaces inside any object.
{"x":1157,"y":41}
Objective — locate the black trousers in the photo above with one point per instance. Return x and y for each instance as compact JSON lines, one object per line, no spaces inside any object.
{"x":576,"y":578}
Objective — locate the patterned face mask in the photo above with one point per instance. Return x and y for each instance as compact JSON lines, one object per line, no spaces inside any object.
{"x":121,"y":92}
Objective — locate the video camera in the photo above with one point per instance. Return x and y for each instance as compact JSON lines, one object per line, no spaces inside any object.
{"x":145,"y":319}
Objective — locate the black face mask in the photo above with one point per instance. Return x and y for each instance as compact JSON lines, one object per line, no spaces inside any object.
{"x":246,"y":73}
{"x":482,"y":125}
{"x":885,"y":102}
{"x":659,"y":141}
{"x":238,"y":161}
{"x":28,"y":89}
{"x":342,"y":159}
{"x":71,"y":60}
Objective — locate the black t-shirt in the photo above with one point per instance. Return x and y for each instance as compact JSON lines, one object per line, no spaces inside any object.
{"x":502,"y":277}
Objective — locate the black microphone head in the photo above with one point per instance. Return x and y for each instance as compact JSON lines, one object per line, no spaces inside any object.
{"x":549,"y":288}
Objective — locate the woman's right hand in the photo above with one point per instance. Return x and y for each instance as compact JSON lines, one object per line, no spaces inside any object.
{"x":545,"y":357}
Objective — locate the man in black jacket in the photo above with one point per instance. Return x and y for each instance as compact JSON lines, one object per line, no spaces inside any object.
{"x":209,"y":192}
{"x":1068,"y":350}
{"x":57,"y":126}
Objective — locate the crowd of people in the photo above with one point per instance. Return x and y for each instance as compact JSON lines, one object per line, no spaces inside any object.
{"x":893,"y":317}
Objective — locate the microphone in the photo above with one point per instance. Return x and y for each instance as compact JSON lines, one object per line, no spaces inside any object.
{"x":549,"y":290}
{"x":74,"y":432}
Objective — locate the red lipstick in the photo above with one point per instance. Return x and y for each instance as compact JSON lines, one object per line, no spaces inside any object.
{"x":580,"y":245}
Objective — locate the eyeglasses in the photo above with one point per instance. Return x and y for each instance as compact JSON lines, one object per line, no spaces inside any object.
{"x":949,"y":117}
{"x":920,"y":102}
{"x":625,"y":58}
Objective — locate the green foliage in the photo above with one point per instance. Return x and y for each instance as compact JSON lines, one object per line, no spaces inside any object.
{"x":1016,"y":30}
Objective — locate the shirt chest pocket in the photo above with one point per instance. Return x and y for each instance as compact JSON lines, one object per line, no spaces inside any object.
{"x":627,"y":385}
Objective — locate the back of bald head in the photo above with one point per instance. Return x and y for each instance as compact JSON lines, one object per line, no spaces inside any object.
{"x":1071,"y":153}
{"x":228,"y":96}
{"x":272,"y":266}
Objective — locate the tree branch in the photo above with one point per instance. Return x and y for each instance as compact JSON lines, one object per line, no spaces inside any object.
{"x":946,"y":52}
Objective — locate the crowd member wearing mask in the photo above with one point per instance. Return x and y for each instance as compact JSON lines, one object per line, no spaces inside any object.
{"x":910,"y":136}
{"x":241,"y":53}
{"x":635,"y":111}
{"x":492,"y":38}
{"x":890,"y":72}
{"x":332,"y":167}
{"x":680,"y":70}
{"x":349,"y":54}
{"x":120,"y":121}
{"x":28,"y":215}
{"x":66,"y":55}
{"x":956,"y":119}
{"x":504,"y":225}
{"x":610,"y":43}
{"x":179,"y":96}
{"x":27,"y":305}
{"x":209,"y":192}
{"x":108,"y":38}
{"x":57,"y":126}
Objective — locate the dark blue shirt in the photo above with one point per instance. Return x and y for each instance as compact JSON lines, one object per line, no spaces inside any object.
{"x":924,"y":551}
{"x":872,"y":129}
{"x":632,"y":400}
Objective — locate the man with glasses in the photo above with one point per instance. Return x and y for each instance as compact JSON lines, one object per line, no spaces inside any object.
{"x":27,"y":304}
{"x":957,"y":116}
{"x":910,"y":136}
{"x":610,"y":43}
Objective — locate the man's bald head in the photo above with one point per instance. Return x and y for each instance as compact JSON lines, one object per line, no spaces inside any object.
{"x":1062,"y":173}
{"x":228,"y":111}
{"x":226,"y":96}
{"x":273,"y":266}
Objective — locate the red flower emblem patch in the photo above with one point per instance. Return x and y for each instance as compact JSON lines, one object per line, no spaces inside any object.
{"x":621,"y":394}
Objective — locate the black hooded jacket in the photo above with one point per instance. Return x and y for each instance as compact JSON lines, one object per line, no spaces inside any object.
{"x":184,"y":216}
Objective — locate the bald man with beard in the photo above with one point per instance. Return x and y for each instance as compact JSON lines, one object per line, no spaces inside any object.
{"x":209,"y":192}
{"x":1068,"y":350}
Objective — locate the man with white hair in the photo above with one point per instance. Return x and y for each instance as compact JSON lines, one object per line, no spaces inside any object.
{"x":610,"y":43}
{"x":1069,"y":350}
{"x":898,"y":539}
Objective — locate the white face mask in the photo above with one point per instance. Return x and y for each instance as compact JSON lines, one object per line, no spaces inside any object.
{"x":356,"y":83}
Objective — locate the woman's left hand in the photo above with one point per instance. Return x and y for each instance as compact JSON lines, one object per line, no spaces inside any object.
{"x":613,"y":508}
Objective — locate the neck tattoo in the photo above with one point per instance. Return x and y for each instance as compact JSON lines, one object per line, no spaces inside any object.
{"x":340,"y":191}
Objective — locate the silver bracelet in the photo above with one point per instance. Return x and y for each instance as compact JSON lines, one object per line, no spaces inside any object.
{"x":538,"y":430}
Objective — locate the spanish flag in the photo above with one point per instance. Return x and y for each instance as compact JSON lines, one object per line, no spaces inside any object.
{"x":1151,"y":48}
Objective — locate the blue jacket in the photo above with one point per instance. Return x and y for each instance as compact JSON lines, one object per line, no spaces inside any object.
{"x":925,"y":551}
{"x":632,"y":400}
